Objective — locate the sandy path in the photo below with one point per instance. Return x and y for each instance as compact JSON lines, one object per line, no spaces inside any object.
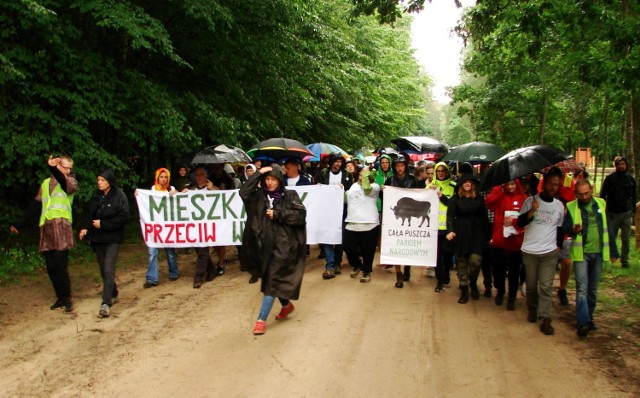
{"x":345,"y":339}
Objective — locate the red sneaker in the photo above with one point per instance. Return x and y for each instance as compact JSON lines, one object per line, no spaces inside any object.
{"x":285,"y":311}
{"x":260,"y":328}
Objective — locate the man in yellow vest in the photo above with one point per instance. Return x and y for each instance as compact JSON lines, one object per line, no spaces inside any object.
{"x":56,"y":235}
{"x":586,"y":222}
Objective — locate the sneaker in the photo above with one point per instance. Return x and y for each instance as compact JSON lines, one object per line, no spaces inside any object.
{"x":546,"y":327}
{"x":260,"y":328}
{"x":365,"y":278}
{"x":355,"y":272}
{"x":583,"y":331}
{"x":511,"y":304}
{"x":220,"y":271}
{"x":439,"y":288}
{"x":406,"y":275}
{"x":285,"y":311}
{"x":562,"y":296}
{"x":337,"y":269}
{"x":68,"y":305}
{"x":328,"y":274}
{"x":148,"y":284}
{"x":173,"y":278}
{"x":499,"y":299}
{"x":253,"y":279}
{"x":487,"y":292}
{"x":523,"y":289}
{"x":105,"y":311}
{"x":58,"y":304}
{"x":197,"y":285}
{"x":431,"y":272}
{"x":592,"y":326}
{"x":321,"y":255}
{"x":532,"y":316}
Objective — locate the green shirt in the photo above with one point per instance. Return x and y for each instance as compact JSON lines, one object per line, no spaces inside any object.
{"x":592,"y":244}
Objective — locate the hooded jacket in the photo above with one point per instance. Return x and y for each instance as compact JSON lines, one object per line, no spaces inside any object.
{"x":408,"y":181}
{"x":274,"y":250}
{"x":447,"y":187}
{"x":381,"y":178}
{"x":619,"y":191}
{"x":156,"y":184}
{"x":500,"y":201}
{"x":111,"y":209}
{"x":323,"y":175}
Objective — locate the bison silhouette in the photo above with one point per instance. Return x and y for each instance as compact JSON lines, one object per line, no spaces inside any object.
{"x":407,"y":207}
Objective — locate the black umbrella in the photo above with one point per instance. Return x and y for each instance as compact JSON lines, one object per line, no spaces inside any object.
{"x":220,"y":154}
{"x":520,"y":162}
{"x":475,"y":152}
{"x":275,"y":149}
{"x":420,"y":144}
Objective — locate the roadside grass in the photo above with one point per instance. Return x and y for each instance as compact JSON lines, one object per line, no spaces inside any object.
{"x":619,"y":293}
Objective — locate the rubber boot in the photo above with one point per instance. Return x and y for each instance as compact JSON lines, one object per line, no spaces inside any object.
{"x":475,"y":293}
{"x":399,"y":279}
{"x":464,"y":295}
{"x":407,"y":273}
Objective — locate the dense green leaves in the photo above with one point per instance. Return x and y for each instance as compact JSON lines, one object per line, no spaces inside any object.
{"x":136,"y":84}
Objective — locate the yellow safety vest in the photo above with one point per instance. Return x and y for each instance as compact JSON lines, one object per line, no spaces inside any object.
{"x":55,"y":205}
{"x":447,"y":190}
{"x":576,"y":249}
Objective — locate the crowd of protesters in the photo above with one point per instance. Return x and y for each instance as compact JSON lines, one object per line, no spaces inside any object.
{"x":516,"y":234}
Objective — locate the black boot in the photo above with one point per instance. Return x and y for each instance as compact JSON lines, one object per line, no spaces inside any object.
{"x":499,"y":297}
{"x":399,"y":279}
{"x":464,"y":295}
{"x":475,"y":294}
{"x":407,"y":273}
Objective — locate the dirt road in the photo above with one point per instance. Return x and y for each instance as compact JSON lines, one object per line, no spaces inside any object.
{"x":345,"y":339}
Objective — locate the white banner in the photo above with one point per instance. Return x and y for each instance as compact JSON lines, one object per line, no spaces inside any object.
{"x":409,"y":227}
{"x":217,"y":218}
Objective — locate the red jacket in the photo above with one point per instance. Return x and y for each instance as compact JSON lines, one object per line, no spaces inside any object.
{"x":499,"y":201}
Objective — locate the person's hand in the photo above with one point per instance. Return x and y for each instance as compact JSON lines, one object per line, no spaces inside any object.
{"x":269,"y":214}
{"x":210,"y":186}
{"x":96,"y":224}
{"x":135,"y":193}
{"x":265,"y":169}
{"x":14,"y":230}
{"x":535,"y":205}
{"x":508,"y":222}
{"x":451,"y":236}
{"x":82,"y":234}
{"x":173,"y":192}
{"x":53,"y":161}
{"x":577,"y":229}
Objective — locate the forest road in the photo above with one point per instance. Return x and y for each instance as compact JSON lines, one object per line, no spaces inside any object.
{"x":345,"y":339}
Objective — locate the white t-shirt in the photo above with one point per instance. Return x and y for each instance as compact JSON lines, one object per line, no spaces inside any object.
{"x":361,"y":208}
{"x":292,"y":181}
{"x":335,"y":179}
{"x":541,"y":233}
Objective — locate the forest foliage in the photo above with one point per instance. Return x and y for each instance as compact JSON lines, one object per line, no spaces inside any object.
{"x":131,"y":85}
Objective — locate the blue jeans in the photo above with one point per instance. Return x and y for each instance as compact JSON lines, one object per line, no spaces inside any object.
{"x":152,"y":269}
{"x":587,"y":274}
{"x":333,"y":255}
{"x":267,"y":303}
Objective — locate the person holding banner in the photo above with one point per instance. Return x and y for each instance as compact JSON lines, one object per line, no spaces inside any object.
{"x":107,"y":215}
{"x":205,"y":270}
{"x":401,"y":178}
{"x":334,"y":175}
{"x":445,"y":188}
{"x":361,"y":231}
{"x":467,"y":227}
{"x":274,"y":241}
{"x":161,"y":185}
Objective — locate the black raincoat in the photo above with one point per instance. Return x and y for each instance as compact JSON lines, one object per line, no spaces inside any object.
{"x":274,"y":250}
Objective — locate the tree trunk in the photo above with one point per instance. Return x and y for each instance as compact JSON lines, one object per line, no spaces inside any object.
{"x":543,"y":117}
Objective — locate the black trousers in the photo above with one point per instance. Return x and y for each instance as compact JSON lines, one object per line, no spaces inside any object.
{"x":57,"y":262}
{"x":444,"y":260}
{"x":487,"y":263}
{"x":360,"y":243}
{"x":506,"y":263}
{"x":204,"y":265}
{"x":107,"y":255}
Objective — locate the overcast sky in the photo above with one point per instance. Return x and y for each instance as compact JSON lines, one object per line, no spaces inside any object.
{"x":437,"y":49}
